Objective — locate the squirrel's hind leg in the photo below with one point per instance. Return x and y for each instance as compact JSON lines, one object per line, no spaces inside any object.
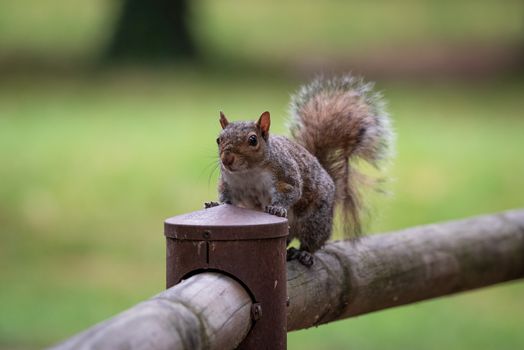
{"x":313,"y":232}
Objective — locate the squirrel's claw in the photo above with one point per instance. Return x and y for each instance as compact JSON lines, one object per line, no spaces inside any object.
{"x":303,"y":257}
{"x":208,"y":205}
{"x":306,"y":258}
{"x":277,"y":211}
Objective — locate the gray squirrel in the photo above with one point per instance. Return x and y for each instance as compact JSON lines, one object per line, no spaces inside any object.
{"x":333,"y":122}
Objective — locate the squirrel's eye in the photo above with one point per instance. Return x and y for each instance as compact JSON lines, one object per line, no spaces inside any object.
{"x":252,"y":140}
{"x":218,"y":140}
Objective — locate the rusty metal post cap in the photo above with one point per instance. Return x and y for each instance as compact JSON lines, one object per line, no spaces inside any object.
{"x":248,"y":245}
{"x":225,"y":222}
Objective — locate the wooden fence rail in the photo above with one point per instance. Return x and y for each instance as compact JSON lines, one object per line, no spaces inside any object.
{"x":212,"y":311}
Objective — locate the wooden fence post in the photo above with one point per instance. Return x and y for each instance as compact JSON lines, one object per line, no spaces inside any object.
{"x":211,"y":310}
{"x":247,"y":245}
{"x":182,"y":317}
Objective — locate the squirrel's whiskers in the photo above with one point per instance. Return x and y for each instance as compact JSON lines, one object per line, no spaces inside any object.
{"x":211,"y":168}
{"x":334,"y":123}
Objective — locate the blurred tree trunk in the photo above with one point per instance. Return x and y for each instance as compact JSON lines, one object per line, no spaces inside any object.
{"x":152,"y":30}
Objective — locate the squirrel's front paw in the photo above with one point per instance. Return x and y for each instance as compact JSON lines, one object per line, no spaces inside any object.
{"x":306,"y":258}
{"x":208,"y":205}
{"x":278,"y":211}
{"x":303,"y":257}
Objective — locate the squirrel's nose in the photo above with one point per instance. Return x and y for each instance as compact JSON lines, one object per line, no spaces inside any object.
{"x":227,"y":158}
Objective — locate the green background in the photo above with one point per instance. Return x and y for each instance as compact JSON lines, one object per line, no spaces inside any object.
{"x":93,"y":160}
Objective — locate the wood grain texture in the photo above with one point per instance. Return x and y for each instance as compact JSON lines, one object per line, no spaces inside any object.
{"x":382,"y":271}
{"x":206,"y":311}
{"x":212,"y":311}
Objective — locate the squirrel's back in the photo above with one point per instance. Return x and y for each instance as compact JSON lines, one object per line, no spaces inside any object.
{"x":339,"y":120}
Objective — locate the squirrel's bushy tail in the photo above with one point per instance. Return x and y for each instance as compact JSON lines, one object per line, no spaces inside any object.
{"x":340,"y":120}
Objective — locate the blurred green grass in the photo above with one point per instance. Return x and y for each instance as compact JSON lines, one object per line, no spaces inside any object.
{"x":271,"y":31}
{"x":91,"y":164}
{"x":91,"y":167}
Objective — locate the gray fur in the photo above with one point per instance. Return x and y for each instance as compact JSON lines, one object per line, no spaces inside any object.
{"x":332,"y":122}
{"x":309,"y":190}
{"x":340,"y":120}
{"x":382,"y":150}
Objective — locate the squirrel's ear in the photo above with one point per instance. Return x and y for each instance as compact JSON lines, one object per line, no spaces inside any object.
{"x":223,"y":120}
{"x":263,"y":122}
